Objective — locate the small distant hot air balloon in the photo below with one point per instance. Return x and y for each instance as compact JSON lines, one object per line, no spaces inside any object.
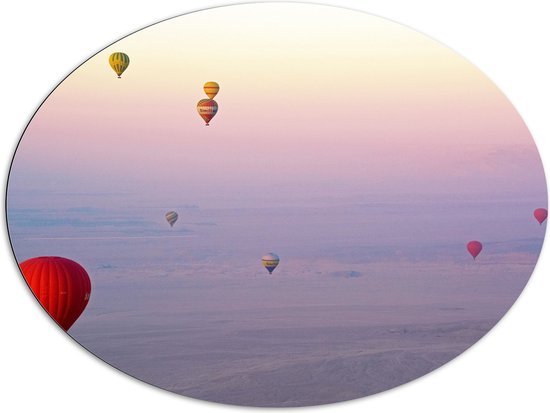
{"x":540,"y":215}
{"x":119,"y":62}
{"x":207,"y":108}
{"x":474,"y":248}
{"x":270,"y":261}
{"x":171,"y":217}
{"x":211,"y":89}
{"x":61,"y":285}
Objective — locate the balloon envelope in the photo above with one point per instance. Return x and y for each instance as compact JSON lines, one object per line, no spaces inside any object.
{"x":207,"y":109}
{"x":270,"y":261}
{"x":474,"y":248}
{"x":540,"y":214}
{"x":211,"y":89}
{"x":61,"y":285}
{"x":119,"y":62}
{"x":171,"y":217}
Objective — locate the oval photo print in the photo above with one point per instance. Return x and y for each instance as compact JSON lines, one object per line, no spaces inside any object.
{"x":276,"y":204}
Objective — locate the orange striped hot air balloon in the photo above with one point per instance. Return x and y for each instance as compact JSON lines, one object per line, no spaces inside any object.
{"x":207,"y":109}
{"x":211,"y":89}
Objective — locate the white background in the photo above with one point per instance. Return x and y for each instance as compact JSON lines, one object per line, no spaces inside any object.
{"x":42,"y":368}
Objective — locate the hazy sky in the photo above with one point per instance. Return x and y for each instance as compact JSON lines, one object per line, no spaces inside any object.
{"x":331,"y":104}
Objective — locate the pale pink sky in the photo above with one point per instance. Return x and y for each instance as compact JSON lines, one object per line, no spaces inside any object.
{"x":335,"y":103}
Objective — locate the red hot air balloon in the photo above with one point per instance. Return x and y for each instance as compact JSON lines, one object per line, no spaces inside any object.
{"x":540,"y":214}
{"x":474,"y":248}
{"x":62,"y":286}
{"x":207,"y":109}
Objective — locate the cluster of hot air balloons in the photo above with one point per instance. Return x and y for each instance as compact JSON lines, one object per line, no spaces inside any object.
{"x":208,"y":108}
{"x":475,"y":247}
{"x":270,"y":261}
{"x":63,"y":286}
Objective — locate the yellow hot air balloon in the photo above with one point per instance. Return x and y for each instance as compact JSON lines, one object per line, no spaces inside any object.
{"x":119,"y":62}
{"x":211,"y":89}
{"x":270,"y":261}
